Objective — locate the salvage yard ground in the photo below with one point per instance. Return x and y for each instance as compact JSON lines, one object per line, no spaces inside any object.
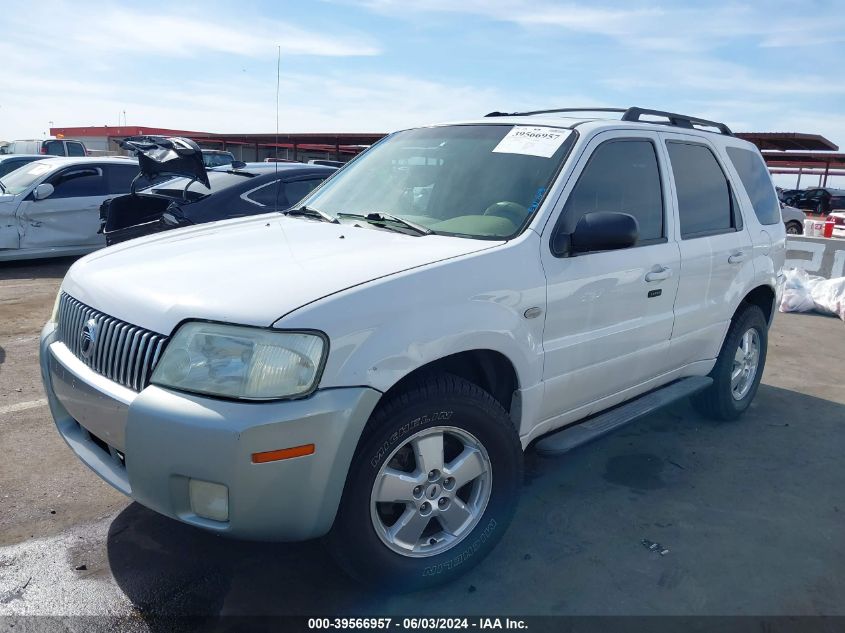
{"x":751,"y":512}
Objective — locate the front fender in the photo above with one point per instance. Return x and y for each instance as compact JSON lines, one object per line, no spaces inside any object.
{"x":383,"y":330}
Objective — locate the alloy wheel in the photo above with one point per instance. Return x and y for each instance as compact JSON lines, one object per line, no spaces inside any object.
{"x":431,"y":491}
{"x":745,"y":364}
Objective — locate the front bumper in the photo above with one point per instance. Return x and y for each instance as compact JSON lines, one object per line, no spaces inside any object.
{"x":149,"y":445}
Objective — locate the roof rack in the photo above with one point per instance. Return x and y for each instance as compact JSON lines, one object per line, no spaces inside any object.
{"x":677,"y":120}
{"x":555,"y":111}
{"x":633,"y":115}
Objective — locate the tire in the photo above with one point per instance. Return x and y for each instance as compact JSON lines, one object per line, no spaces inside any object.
{"x":794,"y":228}
{"x":724,"y":400}
{"x":406,"y":424}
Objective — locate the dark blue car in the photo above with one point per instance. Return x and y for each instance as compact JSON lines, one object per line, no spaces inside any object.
{"x":199,"y":195}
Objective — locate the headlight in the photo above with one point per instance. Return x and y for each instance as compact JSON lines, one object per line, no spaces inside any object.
{"x":240,"y":362}
{"x":54,"y":315}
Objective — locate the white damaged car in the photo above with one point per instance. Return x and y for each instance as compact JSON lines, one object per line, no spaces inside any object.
{"x":51,"y":207}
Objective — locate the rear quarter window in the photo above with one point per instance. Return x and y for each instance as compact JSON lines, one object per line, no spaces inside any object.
{"x":757,"y":183}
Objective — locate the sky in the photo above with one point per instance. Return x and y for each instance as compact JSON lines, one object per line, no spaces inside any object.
{"x":381,"y":65}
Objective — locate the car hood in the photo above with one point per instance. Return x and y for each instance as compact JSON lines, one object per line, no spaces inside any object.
{"x":250,"y":271}
{"x":167,"y":156}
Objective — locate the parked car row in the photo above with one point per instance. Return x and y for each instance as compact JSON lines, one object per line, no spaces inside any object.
{"x":71,"y":206}
{"x":820,"y":200}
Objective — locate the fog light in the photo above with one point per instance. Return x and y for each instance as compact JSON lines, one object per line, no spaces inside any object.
{"x":208,"y":500}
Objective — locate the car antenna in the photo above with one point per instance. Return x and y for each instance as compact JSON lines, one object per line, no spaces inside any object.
{"x":276,"y":148}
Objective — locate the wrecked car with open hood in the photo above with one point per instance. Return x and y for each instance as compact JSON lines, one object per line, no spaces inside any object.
{"x":192,"y":194}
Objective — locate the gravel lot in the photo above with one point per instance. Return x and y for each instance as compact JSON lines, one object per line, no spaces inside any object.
{"x":751,"y":512}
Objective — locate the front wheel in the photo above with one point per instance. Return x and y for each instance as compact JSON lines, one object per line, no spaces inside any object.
{"x":432,"y":488}
{"x":739,"y":367}
{"x":794,"y":228}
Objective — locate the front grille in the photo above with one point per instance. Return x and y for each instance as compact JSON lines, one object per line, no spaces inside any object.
{"x":120,"y":351}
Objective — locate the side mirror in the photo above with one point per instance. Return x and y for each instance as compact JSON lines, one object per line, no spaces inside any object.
{"x":44,"y":190}
{"x":598,"y":231}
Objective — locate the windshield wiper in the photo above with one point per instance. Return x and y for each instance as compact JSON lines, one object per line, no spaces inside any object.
{"x":2,"y":187}
{"x":311,"y":212}
{"x":381,"y":217}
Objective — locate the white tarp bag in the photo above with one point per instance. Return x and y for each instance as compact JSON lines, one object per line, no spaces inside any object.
{"x":796,"y":291}
{"x":803,"y":293}
{"x":829,"y":296}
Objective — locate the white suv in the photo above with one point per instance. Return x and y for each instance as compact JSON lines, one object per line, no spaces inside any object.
{"x":371,"y":366}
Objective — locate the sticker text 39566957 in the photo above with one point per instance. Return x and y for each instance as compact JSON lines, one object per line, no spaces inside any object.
{"x":532,"y":141}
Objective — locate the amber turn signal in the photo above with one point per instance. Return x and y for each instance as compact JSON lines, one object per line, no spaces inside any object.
{"x":282,"y":453}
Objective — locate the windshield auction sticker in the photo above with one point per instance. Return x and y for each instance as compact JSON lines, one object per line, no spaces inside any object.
{"x":38,"y":168}
{"x":532,"y":141}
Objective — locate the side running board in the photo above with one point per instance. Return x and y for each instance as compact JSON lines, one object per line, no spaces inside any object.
{"x":608,"y":421}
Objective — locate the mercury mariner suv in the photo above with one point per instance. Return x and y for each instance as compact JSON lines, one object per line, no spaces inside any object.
{"x":370,"y":366}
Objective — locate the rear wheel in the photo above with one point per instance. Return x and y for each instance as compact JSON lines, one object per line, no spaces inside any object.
{"x":739,"y":367}
{"x":432,"y":488}
{"x":794,"y":228}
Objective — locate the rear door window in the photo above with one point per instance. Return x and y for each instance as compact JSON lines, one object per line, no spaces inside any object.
{"x":757,"y":182}
{"x":54,"y":148}
{"x":74,"y":148}
{"x":78,"y":182}
{"x":705,"y":201}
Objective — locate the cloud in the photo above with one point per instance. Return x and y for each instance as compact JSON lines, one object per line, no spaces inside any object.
{"x":163,"y":32}
{"x":327,"y":102}
{"x":649,"y":26}
{"x":708,"y":76}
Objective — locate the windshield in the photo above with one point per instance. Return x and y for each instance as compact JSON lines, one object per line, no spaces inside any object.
{"x":217,"y":179}
{"x":480,"y":181}
{"x":22,"y":179}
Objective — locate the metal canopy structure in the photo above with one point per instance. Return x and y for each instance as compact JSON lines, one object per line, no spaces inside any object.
{"x":787,"y":141}
{"x":821,"y":164}
{"x":339,"y":143}
{"x":785,"y":152}
{"x":342,"y":145}
{"x":794,"y":153}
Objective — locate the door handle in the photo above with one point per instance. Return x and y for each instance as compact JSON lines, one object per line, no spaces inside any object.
{"x":658,"y":274}
{"x":737,"y":258}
